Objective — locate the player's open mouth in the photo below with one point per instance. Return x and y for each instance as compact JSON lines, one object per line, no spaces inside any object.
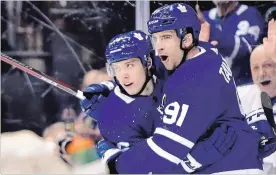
{"x":163,"y":57}
{"x":265,"y":83}
{"x":127,"y":84}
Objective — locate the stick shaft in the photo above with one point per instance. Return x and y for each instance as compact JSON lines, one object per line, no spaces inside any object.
{"x":267,"y":106}
{"x":40,"y":75}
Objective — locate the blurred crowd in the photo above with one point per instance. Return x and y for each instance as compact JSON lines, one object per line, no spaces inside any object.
{"x":66,"y":40}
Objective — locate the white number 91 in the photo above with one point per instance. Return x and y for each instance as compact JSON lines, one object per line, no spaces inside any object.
{"x":171,"y":113}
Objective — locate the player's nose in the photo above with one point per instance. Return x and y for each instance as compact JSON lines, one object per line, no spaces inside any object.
{"x":122,"y":75}
{"x":262,"y":72}
{"x":159,"y":47}
{"x":159,"y":51}
{"x":125,"y":75}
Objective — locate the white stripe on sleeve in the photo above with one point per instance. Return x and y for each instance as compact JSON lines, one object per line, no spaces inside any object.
{"x":162,"y":153}
{"x":175,"y":137}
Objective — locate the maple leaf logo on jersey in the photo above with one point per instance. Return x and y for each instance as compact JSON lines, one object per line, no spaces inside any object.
{"x":138,"y":36}
{"x":182,"y":8}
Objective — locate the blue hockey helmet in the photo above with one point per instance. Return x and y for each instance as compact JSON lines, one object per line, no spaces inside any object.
{"x":134,"y":44}
{"x":177,"y":16}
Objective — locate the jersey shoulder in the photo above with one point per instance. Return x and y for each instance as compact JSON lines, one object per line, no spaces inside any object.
{"x":246,"y":10}
{"x":205,"y":45}
{"x":201,"y":70}
{"x":120,"y":101}
{"x":242,"y":10}
{"x":207,"y":60}
{"x":248,"y":90}
{"x":250,"y":97}
{"x":116,"y":101}
{"x":210,"y":14}
{"x":118,"y":95}
{"x":248,"y":13}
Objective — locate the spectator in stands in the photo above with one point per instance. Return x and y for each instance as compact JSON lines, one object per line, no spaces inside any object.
{"x":263,"y":68}
{"x":237,"y":29}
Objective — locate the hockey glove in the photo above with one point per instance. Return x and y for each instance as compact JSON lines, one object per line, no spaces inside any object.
{"x":95,"y":94}
{"x":107,"y":151}
{"x":265,"y":131}
{"x":211,"y":149}
{"x":266,"y":150}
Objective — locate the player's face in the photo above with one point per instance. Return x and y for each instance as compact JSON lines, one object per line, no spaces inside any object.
{"x":264,"y":73}
{"x":131,"y":74}
{"x":167,"y":47}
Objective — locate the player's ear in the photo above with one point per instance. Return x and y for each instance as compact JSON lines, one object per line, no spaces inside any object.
{"x":187,"y":41}
{"x":149,"y":62}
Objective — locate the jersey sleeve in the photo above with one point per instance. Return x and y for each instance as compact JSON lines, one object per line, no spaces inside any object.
{"x":187,"y":115}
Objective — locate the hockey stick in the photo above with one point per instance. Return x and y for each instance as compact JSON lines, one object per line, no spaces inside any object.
{"x":42,"y":76}
{"x":267,"y":106}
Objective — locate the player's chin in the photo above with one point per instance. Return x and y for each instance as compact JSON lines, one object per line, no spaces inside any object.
{"x":169,"y":66}
{"x":131,"y":90}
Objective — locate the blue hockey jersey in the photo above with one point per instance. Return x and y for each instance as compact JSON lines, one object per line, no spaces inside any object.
{"x":198,"y":96}
{"x":125,"y":120}
{"x":237,"y":34}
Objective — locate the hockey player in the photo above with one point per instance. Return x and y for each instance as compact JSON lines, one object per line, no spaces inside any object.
{"x":199,"y":94}
{"x":263,"y":68}
{"x":129,"y":117}
{"x":237,"y":29}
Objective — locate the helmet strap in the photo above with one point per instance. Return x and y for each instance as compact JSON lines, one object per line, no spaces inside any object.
{"x":183,"y":32}
{"x":185,"y":50}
